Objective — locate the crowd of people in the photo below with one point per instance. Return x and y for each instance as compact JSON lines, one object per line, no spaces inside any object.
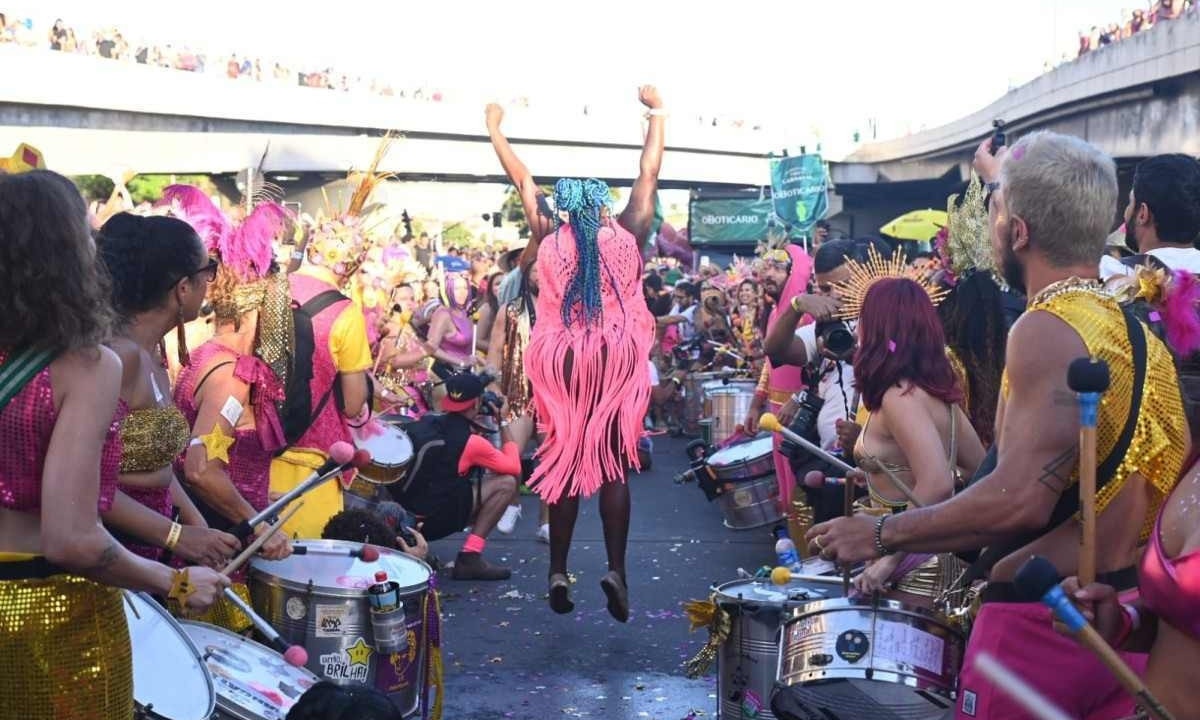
{"x":1131,"y":23}
{"x":165,"y":376}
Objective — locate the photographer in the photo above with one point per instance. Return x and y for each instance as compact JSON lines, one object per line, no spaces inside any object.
{"x":458,"y":477}
{"x":823,"y":349}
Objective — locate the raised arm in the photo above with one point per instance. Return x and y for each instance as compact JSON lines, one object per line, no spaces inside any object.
{"x":638,"y":215}
{"x":539,"y":225}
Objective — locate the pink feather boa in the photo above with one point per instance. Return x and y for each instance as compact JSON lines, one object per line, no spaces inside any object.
{"x":1179,"y":314}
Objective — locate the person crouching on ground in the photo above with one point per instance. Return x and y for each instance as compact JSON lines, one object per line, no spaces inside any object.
{"x":459,"y":478}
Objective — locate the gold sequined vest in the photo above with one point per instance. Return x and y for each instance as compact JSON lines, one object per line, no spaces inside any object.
{"x":1160,"y":437}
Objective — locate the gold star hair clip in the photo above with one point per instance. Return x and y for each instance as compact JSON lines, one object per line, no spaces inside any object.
{"x":863,"y":275}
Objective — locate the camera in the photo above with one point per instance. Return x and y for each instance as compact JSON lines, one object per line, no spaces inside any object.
{"x":489,"y":402}
{"x":998,"y":138}
{"x":804,"y":425}
{"x":837,"y":338}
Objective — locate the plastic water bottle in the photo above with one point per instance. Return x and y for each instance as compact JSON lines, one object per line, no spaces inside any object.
{"x":785,"y":549}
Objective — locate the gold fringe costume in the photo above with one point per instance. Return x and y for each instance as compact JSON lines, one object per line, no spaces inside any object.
{"x":65,"y":649}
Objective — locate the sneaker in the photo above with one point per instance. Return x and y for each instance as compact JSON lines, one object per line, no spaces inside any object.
{"x":472,"y":566}
{"x":543,"y":533}
{"x":508,"y":522}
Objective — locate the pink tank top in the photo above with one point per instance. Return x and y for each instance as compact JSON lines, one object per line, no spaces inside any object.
{"x":253,"y":448}
{"x":1171,"y":588}
{"x":329,"y":426}
{"x":26,"y":425}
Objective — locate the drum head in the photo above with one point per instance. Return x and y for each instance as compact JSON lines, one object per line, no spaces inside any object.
{"x":742,"y":452}
{"x":170,"y":680}
{"x":327,"y":565}
{"x":253,"y":682}
{"x":794,"y":593}
{"x":391,"y":451}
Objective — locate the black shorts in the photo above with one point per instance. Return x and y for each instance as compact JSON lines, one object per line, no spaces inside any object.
{"x":444,"y":507}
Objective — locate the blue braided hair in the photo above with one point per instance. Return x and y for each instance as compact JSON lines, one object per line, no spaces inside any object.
{"x":583,"y":200}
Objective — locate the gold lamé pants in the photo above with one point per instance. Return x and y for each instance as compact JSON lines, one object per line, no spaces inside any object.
{"x":64,"y":651}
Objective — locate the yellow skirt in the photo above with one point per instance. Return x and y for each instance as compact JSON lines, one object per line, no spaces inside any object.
{"x":64,"y":651}
{"x":291,"y":469}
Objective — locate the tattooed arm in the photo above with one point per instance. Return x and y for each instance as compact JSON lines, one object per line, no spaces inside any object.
{"x":1036,"y":446}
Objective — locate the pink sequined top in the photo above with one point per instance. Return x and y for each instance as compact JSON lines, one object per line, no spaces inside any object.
{"x":253,"y":447}
{"x":26,"y":424}
{"x":1170,"y":587}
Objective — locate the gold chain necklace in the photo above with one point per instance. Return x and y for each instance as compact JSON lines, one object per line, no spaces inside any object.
{"x":1071,"y":284}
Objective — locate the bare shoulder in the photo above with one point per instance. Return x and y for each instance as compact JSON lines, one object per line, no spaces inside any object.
{"x":94,"y":366}
{"x":1041,"y":346}
{"x":130,"y":356}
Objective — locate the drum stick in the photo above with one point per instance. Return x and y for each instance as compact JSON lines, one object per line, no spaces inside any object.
{"x":848,"y":510}
{"x":295,"y":655}
{"x":1020,"y":691}
{"x":259,"y":541}
{"x":770,"y":423}
{"x":1088,"y":378}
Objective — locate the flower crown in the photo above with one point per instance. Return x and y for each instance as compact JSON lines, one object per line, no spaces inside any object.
{"x":965,"y":246}
{"x":865,"y":274}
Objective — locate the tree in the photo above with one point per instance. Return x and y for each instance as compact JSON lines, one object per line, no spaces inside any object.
{"x":457,"y":235}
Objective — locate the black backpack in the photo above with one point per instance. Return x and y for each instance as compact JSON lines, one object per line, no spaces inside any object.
{"x":297,"y":413}
{"x":438,"y":442}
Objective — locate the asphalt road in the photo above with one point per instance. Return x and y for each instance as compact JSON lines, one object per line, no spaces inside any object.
{"x":507,"y":655}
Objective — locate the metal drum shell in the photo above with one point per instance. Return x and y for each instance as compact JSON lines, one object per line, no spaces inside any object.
{"x":807,"y":636}
{"x":391,"y":453}
{"x":138,"y":605}
{"x":305,"y":610}
{"x":756,"y":618}
{"x":726,"y":405}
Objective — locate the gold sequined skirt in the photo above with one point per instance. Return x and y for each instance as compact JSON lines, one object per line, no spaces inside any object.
{"x":64,"y":651}
{"x":222,"y":613}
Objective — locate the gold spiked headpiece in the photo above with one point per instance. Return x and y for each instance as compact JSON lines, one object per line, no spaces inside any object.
{"x":863,"y":275}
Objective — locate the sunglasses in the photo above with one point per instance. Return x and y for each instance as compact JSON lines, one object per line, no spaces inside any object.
{"x":209,"y":270}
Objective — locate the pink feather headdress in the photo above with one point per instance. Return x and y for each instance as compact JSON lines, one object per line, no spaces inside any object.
{"x":1179,"y":313}
{"x":246,"y":248}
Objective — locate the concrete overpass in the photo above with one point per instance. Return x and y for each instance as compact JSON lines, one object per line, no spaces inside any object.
{"x":90,"y":115}
{"x":1137,"y":98}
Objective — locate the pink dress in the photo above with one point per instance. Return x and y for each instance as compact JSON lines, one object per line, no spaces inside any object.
{"x":590,"y":386}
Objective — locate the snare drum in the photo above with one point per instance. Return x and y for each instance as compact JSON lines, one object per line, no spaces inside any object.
{"x":170,"y":680}
{"x":746,"y":663}
{"x":726,"y":405}
{"x":750,"y":496}
{"x":319,"y":600}
{"x":253,"y":682}
{"x":391,"y":452}
{"x":855,"y":658}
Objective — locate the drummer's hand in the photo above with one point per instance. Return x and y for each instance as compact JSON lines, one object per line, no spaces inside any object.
{"x":1099,"y":605}
{"x":847,"y":433}
{"x":844,"y":540}
{"x":875,"y":577}
{"x":205,"y":546}
{"x":787,"y":413}
{"x":751,"y":423}
{"x":207,"y":585}
{"x":277,"y":547}
{"x":420,"y":550}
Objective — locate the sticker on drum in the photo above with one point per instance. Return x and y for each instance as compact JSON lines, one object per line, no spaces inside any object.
{"x":743,"y":498}
{"x":903,"y":643}
{"x":252,"y":681}
{"x":296,"y":608}
{"x":170,"y":679}
{"x":331,"y":620}
{"x":349,"y":664}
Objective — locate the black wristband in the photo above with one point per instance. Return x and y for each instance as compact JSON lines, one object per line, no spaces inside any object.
{"x":879,"y":546}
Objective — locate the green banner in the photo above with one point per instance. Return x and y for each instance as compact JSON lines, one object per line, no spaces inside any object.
{"x":800,"y":189}
{"x":733,"y":221}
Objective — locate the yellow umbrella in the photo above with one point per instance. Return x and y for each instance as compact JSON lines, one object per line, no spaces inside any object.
{"x":917,"y":226}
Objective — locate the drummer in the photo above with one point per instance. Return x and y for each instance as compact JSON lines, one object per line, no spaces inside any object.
{"x":444,"y":489}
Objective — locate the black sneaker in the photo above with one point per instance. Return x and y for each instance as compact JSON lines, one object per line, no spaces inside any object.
{"x":472,"y":566}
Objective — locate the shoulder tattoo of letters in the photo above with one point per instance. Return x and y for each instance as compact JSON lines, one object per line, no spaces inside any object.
{"x":1056,"y":474}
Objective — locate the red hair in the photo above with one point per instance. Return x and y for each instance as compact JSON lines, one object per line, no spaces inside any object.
{"x":901,"y":339}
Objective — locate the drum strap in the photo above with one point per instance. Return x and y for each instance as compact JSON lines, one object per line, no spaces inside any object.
{"x":19,"y":369}
{"x":1068,"y":502}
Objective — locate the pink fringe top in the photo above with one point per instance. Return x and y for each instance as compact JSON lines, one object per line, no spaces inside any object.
{"x":26,"y":424}
{"x":591,"y":388}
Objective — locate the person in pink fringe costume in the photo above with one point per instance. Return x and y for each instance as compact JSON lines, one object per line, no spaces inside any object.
{"x":588,"y":353}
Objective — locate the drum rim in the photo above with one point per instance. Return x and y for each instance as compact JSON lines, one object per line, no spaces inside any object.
{"x":722,"y":594}
{"x":261,"y":567}
{"x":187,"y":640}
{"x":802,"y":611}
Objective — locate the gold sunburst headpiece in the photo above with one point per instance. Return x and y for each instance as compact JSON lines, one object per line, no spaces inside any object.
{"x":876,"y":268}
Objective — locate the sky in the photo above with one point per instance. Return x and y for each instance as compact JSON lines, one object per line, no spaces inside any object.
{"x":810,"y":71}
